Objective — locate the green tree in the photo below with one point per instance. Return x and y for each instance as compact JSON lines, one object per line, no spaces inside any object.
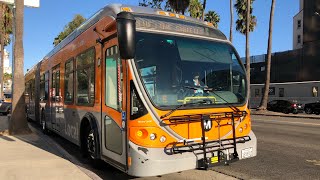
{"x":264,"y":100}
{"x":5,"y":31}
{"x":212,"y":17}
{"x":68,"y":29}
{"x":195,"y":9}
{"x":18,"y":123}
{"x":157,"y":4}
{"x":245,"y":24}
{"x":179,"y":6}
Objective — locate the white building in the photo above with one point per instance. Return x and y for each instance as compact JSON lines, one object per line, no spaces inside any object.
{"x":298,"y":28}
{"x":6,"y":63}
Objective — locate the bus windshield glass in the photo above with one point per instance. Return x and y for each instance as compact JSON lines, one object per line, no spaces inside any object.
{"x":179,"y":70}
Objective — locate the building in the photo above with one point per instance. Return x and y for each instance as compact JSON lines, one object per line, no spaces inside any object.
{"x":294,"y":73}
{"x":6,"y":63}
{"x":298,"y":28}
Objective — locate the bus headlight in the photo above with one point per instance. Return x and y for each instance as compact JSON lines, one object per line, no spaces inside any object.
{"x":240,"y":130}
{"x":153,"y":136}
{"x":163,"y":139}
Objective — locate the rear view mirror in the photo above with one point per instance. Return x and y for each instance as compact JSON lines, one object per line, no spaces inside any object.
{"x":126,"y":28}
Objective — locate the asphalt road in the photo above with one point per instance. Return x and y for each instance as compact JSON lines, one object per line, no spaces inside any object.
{"x":288,"y":148}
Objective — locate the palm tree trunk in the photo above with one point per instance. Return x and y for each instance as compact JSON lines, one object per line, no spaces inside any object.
{"x":231,"y":20}
{"x":263,"y":104}
{"x":18,"y":123}
{"x":204,"y":8}
{"x":2,"y":53}
{"x":247,"y":46}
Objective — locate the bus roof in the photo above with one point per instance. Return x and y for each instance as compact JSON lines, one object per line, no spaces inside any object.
{"x":113,"y":9}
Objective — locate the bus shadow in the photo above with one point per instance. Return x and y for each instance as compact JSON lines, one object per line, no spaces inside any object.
{"x":61,"y":147}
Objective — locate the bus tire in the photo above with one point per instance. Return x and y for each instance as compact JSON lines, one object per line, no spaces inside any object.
{"x":92,"y":147}
{"x":308,"y":111}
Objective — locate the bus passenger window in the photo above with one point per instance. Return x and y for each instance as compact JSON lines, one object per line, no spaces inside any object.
{"x":85,"y":78}
{"x":68,"y":82}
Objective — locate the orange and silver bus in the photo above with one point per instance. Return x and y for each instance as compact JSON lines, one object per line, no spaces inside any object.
{"x":149,"y":92}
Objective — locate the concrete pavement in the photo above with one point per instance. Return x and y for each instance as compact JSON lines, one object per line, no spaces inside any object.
{"x":32,"y":157}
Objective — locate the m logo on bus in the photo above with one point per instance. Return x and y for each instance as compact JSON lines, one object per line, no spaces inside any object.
{"x":207,"y":125}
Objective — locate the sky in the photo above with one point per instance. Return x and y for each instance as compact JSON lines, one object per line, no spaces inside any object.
{"x":43,"y":24}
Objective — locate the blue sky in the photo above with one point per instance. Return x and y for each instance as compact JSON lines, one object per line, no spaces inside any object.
{"x":42,"y":25}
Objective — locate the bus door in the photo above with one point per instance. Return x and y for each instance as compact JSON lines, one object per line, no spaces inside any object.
{"x":113,"y":106}
{"x":56,"y":108}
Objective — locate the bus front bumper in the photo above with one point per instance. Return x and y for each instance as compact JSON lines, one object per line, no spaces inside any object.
{"x":158,"y":161}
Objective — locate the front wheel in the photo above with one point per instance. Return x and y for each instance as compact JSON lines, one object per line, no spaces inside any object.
{"x":92,"y":148}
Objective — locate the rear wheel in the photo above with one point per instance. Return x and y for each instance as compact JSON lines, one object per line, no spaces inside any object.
{"x":286,"y":111}
{"x":308,"y":111}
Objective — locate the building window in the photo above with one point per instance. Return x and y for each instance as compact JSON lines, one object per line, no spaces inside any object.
{"x":256,"y":92}
{"x":299,"y":24}
{"x":299,"y":39}
{"x":281,"y":92}
{"x":314,"y":91}
{"x":85,"y":78}
{"x":68,"y":82}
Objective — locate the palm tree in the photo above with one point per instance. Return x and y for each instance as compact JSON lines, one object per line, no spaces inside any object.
{"x":203,"y":8}
{"x":264,"y":100}
{"x":179,"y":6}
{"x":213,"y":18}
{"x":231,"y":20}
{"x":195,"y":9}
{"x":18,"y":122}
{"x":245,"y":24}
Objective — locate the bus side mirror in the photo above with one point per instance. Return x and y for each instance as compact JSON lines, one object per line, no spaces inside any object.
{"x":126,"y":28}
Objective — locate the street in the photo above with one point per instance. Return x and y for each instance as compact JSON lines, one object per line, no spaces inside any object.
{"x":288,"y":148}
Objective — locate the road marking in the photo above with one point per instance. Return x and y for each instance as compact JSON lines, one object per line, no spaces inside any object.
{"x":314,"y":124}
{"x":315,"y":162}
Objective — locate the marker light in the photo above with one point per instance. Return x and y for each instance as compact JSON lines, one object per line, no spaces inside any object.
{"x":139,"y":133}
{"x":245,"y":126}
{"x":163,"y":139}
{"x":127,"y":9}
{"x":153,"y":136}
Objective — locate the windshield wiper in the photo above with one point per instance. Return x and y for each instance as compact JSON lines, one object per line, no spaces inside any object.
{"x":232,"y":107}
{"x":182,"y":105}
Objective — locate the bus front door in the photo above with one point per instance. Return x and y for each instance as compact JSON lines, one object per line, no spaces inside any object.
{"x":113,"y":106}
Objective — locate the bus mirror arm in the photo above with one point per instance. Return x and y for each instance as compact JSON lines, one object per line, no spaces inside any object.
{"x":126,"y":29}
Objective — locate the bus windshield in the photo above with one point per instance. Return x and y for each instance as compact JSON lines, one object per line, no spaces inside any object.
{"x":179,"y":70}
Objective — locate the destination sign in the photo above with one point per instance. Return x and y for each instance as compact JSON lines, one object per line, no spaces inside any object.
{"x":179,"y":26}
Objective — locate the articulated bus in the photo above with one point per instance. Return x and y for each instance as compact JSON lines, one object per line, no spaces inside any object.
{"x":149,"y":92}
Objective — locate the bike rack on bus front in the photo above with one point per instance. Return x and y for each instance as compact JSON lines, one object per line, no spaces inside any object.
{"x":209,"y":146}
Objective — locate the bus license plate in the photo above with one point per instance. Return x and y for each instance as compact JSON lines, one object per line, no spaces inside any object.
{"x":246,"y":153}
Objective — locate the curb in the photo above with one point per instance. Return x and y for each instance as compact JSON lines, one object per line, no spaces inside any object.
{"x":284,"y":115}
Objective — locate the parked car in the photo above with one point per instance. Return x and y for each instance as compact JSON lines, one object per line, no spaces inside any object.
{"x":285,"y":106}
{"x":310,"y":108}
{"x":5,"y":104}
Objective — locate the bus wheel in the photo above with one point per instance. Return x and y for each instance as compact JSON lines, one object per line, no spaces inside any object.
{"x":92,"y":151}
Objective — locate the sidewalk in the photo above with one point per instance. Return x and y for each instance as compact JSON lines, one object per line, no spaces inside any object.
{"x":33,"y":157}
{"x":271,"y":113}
